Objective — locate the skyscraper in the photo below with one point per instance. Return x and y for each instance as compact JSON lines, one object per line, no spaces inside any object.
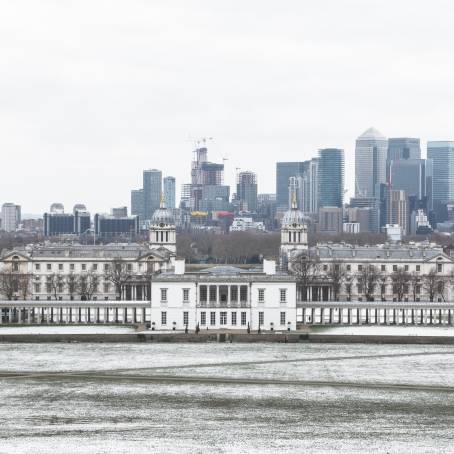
{"x":330,"y":177}
{"x":285,"y":170}
{"x":137,"y":203}
{"x":246,"y":191}
{"x":403,"y":148}
{"x":152,"y":192}
{"x":370,"y":163}
{"x":10,"y":217}
{"x":442,"y":155}
{"x":169,"y":192}
{"x":398,"y":212}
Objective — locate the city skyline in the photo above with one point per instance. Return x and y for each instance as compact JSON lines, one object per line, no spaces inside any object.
{"x":87,"y":101}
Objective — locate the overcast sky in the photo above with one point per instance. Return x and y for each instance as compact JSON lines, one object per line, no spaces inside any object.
{"x":92,"y":92}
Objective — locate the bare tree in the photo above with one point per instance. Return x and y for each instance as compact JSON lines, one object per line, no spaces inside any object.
{"x":415,"y":282}
{"x":9,"y":282}
{"x":400,"y":279}
{"x":55,"y":282}
{"x":306,"y":268}
{"x":87,"y":284}
{"x":349,"y":286}
{"x":367,"y":277}
{"x":24,"y":280}
{"x":71,"y":282}
{"x":336,"y":275}
{"x":117,"y":272}
{"x":431,"y":283}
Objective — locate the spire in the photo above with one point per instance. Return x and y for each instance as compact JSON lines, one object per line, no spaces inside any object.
{"x":294,"y":202}
{"x":163,"y":202}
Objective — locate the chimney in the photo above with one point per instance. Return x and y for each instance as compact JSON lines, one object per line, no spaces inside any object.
{"x":180,"y":267}
{"x":269,"y":267}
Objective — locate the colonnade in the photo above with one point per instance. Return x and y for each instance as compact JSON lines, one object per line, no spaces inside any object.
{"x":74,"y":312}
{"x":383,"y":314}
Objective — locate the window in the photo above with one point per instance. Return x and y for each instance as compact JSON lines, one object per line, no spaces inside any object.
{"x":418,"y":289}
{"x":283,"y":316}
{"x":223,"y":318}
{"x":383,"y":289}
{"x":15,"y":266}
{"x":233,"y":318}
{"x":394,"y":267}
{"x":185,"y":318}
{"x":129,"y":266}
{"x":203,"y":293}
{"x":37,"y":266}
{"x":37,"y":288}
{"x":163,"y":294}
{"x":349,"y":267}
{"x":213,"y":293}
{"x":406,"y":268}
{"x":418,"y":268}
{"x":234,"y":293}
{"x":439,"y":267}
{"x":60,"y":267}
{"x":261,"y":318}
{"x":106,"y":288}
{"x":283,"y":295}
{"x":106,"y":267}
{"x":71,"y":266}
{"x":49,"y":267}
{"x":60,"y":288}
{"x":48,"y":288}
{"x":95,"y":267}
{"x":243,"y":318}
{"x":383,"y":267}
{"x":163,"y":318}
{"x":325,"y":267}
{"x":360,"y":267}
{"x":212,"y":318}
{"x":359,"y":288}
{"x":261,"y":295}
{"x":243,"y":293}
{"x":203,"y":318}
{"x":185,"y":294}
{"x":84,"y":267}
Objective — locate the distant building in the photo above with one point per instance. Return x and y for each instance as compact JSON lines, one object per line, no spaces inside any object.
{"x":246,"y":192}
{"x":215,"y":198}
{"x":330,"y":220}
{"x":111,"y":226}
{"x":285,"y":170}
{"x":137,"y":203}
{"x":330,"y":177}
{"x":397,"y":207}
{"x":394,"y":232}
{"x":419,"y":223}
{"x":152,"y":192}
{"x":10,"y":217}
{"x":170,"y":192}
{"x":370,"y":163}
{"x":442,"y":155}
{"x":120,"y":212}
{"x":403,"y":148}
{"x":351,"y":227}
{"x":375,"y":205}
{"x":246,"y":224}
{"x":57,"y":222}
{"x":365,"y":218}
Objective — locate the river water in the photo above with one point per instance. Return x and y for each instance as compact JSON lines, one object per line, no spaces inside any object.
{"x":254,"y":398}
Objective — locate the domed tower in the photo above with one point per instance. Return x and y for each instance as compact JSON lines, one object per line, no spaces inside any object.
{"x":293,"y":234}
{"x":163,"y":230}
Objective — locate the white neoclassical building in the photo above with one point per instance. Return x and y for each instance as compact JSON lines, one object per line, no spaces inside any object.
{"x":54,"y":271}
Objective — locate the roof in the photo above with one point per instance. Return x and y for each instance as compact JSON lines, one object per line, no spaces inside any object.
{"x":372,"y":134}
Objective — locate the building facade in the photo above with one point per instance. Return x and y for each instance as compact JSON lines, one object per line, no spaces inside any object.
{"x":152,"y":192}
{"x":10,"y":217}
{"x":170,"y":192}
{"x":246,"y":191}
{"x":330,"y":177}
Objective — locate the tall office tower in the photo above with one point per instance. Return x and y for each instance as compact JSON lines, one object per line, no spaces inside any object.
{"x":403,"y":148}
{"x":203,"y":173}
{"x":152,"y":192}
{"x":10,"y":217}
{"x":313,"y":188}
{"x":414,"y":176}
{"x":330,"y":177}
{"x":285,"y":170}
{"x":246,"y":191}
{"x":397,"y":208}
{"x":185,"y":198}
{"x":442,"y":155}
{"x":137,"y":203}
{"x":170,"y":192}
{"x":370,"y":163}
{"x":215,"y":198}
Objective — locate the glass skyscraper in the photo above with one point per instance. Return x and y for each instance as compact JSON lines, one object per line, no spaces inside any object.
{"x":285,"y":170}
{"x":152,"y":191}
{"x":403,"y":148}
{"x":370,"y":163}
{"x":442,"y":155}
{"x":169,"y":192}
{"x":330,"y":177}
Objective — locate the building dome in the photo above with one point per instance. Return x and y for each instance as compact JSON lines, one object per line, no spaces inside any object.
{"x":163,"y":215}
{"x":294,"y":216}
